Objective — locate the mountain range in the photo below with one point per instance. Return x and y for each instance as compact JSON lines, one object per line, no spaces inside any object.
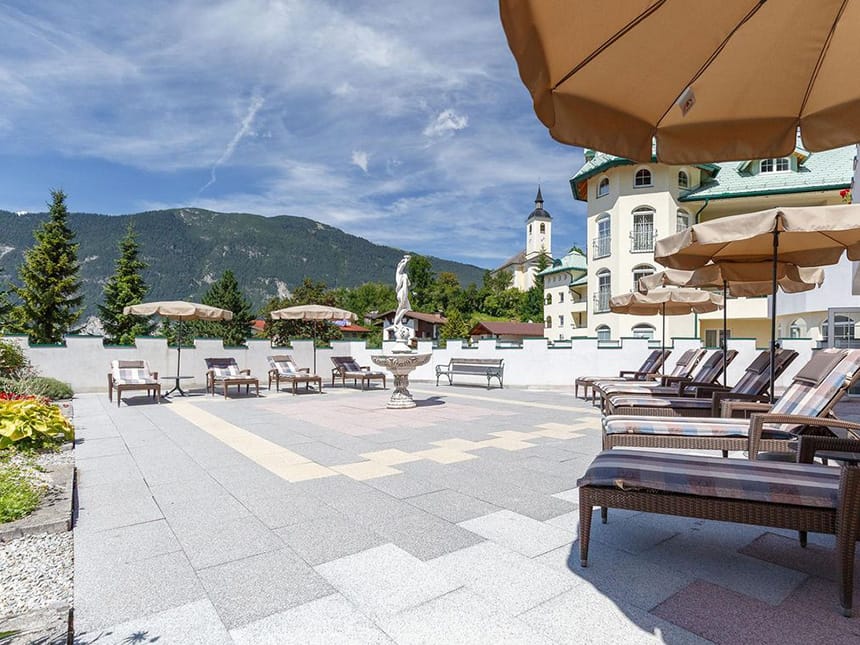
{"x":189,"y":248}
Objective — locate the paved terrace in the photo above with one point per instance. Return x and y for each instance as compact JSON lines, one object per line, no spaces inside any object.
{"x":328,"y":519}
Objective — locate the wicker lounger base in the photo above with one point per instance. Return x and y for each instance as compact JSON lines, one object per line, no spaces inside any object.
{"x":683,"y":442}
{"x":799,"y":518}
{"x":654,"y":411}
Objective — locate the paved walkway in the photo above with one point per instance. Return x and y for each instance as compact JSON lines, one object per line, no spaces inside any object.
{"x":329,"y":519}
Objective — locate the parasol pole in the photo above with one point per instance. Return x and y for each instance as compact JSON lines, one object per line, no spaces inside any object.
{"x":663,"y":338}
{"x":773,"y":315}
{"x":725,"y":342}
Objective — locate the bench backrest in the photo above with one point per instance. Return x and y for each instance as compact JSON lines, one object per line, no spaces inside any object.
{"x":495,"y":362}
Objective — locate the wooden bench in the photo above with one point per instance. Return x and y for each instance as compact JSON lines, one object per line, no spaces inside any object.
{"x":489,"y":367}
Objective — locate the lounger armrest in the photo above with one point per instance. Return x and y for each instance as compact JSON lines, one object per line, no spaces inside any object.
{"x":757,"y":421}
{"x":719,"y":397}
{"x":732,"y":406}
{"x":154,"y":375}
{"x":633,"y":373}
{"x":811,"y":444}
{"x":366,"y":368}
{"x":245,"y":371}
{"x":668,"y":379}
{"x":306,"y":370}
{"x":686,"y":388}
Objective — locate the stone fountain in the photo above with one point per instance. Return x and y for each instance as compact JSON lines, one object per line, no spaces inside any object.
{"x":402,"y":359}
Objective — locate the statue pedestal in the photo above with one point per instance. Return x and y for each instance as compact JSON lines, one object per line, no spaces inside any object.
{"x":401,"y":365}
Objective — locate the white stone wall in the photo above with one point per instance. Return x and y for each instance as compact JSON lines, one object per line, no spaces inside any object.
{"x":84,"y":362}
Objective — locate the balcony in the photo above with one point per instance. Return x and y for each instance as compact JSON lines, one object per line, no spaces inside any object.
{"x":601,"y":303}
{"x":602,"y":247}
{"x":642,"y":241}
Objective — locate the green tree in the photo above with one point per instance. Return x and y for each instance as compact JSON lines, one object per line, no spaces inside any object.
{"x":226,"y":294}
{"x":457,"y":325}
{"x":421,"y":278}
{"x":50,"y":276}
{"x":125,"y":287}
{"x":446,"y":293}
{"x":368,"y":297}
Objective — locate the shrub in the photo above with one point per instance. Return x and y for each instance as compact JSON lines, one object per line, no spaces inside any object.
{"x":32,"y":423}
{"x":18,"y":496}
{"x":13,"y":362}
{"x":41,"y":386}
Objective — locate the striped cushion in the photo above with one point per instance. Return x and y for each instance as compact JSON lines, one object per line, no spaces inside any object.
{"x":645,"y":388}
{"x":760,"y":481}
{"x":225,"y":371}
{"x":682,"y":426}
{"x":131,"y":373}
{"x":622,"y":401}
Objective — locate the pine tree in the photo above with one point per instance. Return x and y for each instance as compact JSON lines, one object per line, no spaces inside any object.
{"x":50,"y":277}
{"x":125,"y":287}
{"x":225,"y":293}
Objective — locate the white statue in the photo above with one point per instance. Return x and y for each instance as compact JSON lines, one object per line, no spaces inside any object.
{"x":402,"y":333}
{"x":402,"y":281}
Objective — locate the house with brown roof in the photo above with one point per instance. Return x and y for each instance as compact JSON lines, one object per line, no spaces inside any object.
{"x":506,"y":331}
{"x":426,"y":325}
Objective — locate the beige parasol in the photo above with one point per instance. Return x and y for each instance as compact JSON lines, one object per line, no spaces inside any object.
{"x":668,"y":302}
{"x":312,"y":312}
{"x":182,"y":311}
{"x":711,"y":81}
{"x":741,"y":279}
{"x":804,"y":236}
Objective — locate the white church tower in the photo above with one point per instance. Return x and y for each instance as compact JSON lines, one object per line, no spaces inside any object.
{"x":538,"y":230}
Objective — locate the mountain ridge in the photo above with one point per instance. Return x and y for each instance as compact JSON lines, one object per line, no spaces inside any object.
{"x":189,"y":248}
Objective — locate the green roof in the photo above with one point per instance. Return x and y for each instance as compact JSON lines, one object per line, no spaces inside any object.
{"x":573,"y":261}
{"x":828,"y":170}
{"x":579,"y":281}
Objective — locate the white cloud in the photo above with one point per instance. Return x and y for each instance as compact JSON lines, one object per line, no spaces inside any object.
{"x":360,"y":159}
{"x":446,"y":121}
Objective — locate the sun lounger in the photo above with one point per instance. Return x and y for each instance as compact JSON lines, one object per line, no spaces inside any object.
{"x":347,"y":367}
{"x":682,"y":370}
{"x":125,"y":376}
{"x":283,"y":368}
{"x":696,"y":399}
{"x":799,"y":496}
{"x":225,"y":372}
{"x":650,"y":367}
{"x":813,"y":392}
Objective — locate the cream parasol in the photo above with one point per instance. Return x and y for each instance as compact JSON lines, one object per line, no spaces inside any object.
{"x":312,"y":312}
{"x":665,"y":301}
{"x":710,"y":81}
{"x":803,"y":236}
{"x":182,"y":311}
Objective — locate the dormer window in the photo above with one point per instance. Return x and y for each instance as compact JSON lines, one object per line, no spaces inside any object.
{"x":775,"y":165}
{"x":683,"y":180}
{"x":603,"y":187}
{"x":642,"y":178}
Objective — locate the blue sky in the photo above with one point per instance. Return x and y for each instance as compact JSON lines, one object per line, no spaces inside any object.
{"x":402,"y":122}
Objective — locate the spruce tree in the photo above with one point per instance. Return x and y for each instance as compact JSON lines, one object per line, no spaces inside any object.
{"x":125,"y":287}
{"x":50,"y":276}
{"x":225,"y":293}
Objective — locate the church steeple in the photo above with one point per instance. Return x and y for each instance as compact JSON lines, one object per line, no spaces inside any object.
{"x":538,"y":229}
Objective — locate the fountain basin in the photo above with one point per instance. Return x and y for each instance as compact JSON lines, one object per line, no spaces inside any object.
{"x":401,"y":365}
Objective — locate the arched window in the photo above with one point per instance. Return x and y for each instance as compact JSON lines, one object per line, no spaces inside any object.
{"x":561,"y":296}
{"x":603,"y":332}
{"x":603,"y":187}
{"x":561,"y":321}
{"x":643,"y":235}
{"x":643,"y":331}
{"x":797,"y":329}
{"x":641,"y":271}
{"x":642,"y":178}
{"x":781,"y":164}
{"x":548,"y":322}
{"x":682,"y":220}
{"x":548,"y":299}
{"x":542,"y":228}
{"x":603,"y":241}
{"x":683,"y":180}
{"x":604,"y":290}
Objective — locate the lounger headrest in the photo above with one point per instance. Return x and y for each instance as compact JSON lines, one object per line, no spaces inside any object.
{"x":687,"y":356}
{"x":124,"y":365}
{"x":760,"y":364}
{"x":818,"y":367}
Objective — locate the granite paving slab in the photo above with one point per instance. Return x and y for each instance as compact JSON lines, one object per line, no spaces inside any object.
{"x":452,"y":506}
{"x":519,"y":533}
{"x":331,"y":620}
{"x":385,"y":580}
{"x":424,"y":535}
{"x":247,"y":590}
{"x":329,"y":538}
